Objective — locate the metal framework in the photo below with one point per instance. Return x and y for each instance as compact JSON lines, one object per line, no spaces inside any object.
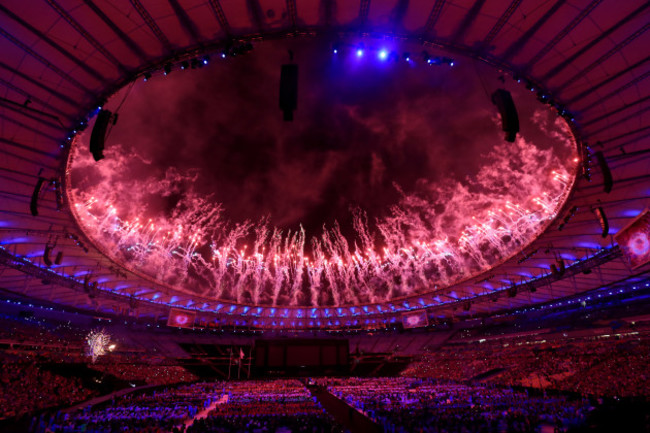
{"x":584,"y":60}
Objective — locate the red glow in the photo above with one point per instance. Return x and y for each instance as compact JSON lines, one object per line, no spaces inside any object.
{"x":436,"y":232}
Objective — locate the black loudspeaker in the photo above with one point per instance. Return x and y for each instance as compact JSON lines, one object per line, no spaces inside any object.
{"x":289,"y":90}
{"x":59,"y":258}
{"x":98,"y":135}
{"x":46,"y":255}
{"x":33,"y":204}
{"x":608,"y":181}
{"x":558,"y":269}
{"x":509,"y":118}
{"x":602,"y":219}
{"x":58,"y":190}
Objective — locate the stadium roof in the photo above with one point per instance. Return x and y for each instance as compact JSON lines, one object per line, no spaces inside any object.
{"x":63,"y":58}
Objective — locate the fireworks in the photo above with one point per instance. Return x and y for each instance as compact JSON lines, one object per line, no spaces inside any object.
{"x":98,"y":342}
{"x":197,"y":248}
{"x":436,"y":231}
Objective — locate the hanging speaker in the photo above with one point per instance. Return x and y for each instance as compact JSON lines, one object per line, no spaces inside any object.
{"x":58,"y":190}
{"x":59,"y":258}
{"x":33,"y":204}
{"x":46,"y":255}
{"x":608,"y":181}
{"x":602,"y":219}
{"x":555,"y":271}
{"x":509,"y":118}
{"x":98,"y":135}
{"x":289,"y":90}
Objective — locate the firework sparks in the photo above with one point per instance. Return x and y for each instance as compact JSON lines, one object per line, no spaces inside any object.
{"x":98,"y":342}
{"x":413,"y":247}
{"x":437,"y":231}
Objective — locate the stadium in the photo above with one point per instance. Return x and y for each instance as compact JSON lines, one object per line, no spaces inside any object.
{"x":322,"y":215}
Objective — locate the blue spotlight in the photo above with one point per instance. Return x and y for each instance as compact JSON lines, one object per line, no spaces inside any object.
{"x":383,"y":54}
{"x":451,"y":64}
{"x":336,"y":51}
{"x":359,"y":52}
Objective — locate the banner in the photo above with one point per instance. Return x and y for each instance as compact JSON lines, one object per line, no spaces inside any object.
{"x":181,"y":318}
{"x":415,"y":320}
{"x":634,"y":240}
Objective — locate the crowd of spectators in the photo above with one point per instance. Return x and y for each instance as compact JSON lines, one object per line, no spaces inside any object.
{"x":278,"y":405}
{"x":425,"y":405}
{"x":137,"y":370}
{"x":30,"y":347}
{"x":159,"y":411}
{"x":234,"y":406}
{"x":26,"y":387}
{"x":601,"y":366}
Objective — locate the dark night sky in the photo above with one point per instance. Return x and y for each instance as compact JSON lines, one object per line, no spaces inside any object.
{"x":362,"y":127}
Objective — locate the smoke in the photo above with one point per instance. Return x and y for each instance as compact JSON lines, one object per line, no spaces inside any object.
{"x":393,"y":178}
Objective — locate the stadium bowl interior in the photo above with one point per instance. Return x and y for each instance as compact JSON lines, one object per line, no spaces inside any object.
{"x":584,"y":65}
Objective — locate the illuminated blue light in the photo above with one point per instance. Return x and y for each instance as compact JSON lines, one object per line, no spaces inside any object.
{"x":383,"y":54}
{"x":336,"y":51}
{"x":359,"y":52}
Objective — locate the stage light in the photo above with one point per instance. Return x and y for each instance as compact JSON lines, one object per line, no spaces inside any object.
{"x":407,"y":57}
{"x":147,"y":76}
{"x":167,"y":68}
{"x":185,"y":64}
{"x":359,"y":52}
{"x":451,"y":63}
{"x":383,"y":54}
{"x":223,"y":55}
{"x":206,"y":59}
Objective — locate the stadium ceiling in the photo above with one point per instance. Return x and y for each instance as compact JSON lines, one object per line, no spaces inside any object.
{"x":61,"y":58}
